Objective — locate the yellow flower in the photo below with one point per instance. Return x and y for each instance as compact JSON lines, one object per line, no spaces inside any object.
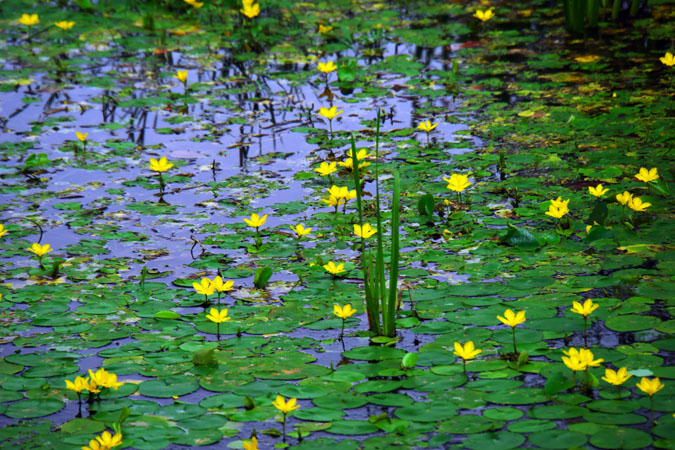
{"x":360,"y":155}
{"x":80,"y":384}
{"x":324,"y":29}
{"x":597,"y":191}
{"x":194,"y":3}
{"x":334,"y":201}
{"x":467,"y":352}
{"x":364,"y":232}
{"x":109,"y":441}
{"x":250,"y":10}
{"x":104,"y":378}
{"x":349,"y":164}
{"x":512,"y":319}
{"x":29,"y":19}
{"x":326,"y":168}
{"x":3,"y":230}
{"x":574,"y":363}
{"x":218,"y":285}
{"x":636,"y":204}
{"x":327,"y":67}
{"x":339,"y":192}
{"x":218,"y":317}
{"x":331,"y":113}
{"x":616,"y":378}
{"x":585,"y":310}
{"x":256,"y":221}
{"x":285,"y":407}
{"x":560,"y":203}
{"x":558,"y":208}
{"x":624,"y":198}
{"x":334,"y":269}
{"x":343,"y":313}
{"x":160,"y":165}
{"x":484,"y":16}
{"x":587,"y":357}
{"x":40,"y":250}
{"x":584,"y":356}
{"x":647,"y":175}
{"x":457,"y":182}
{"x":181,"y":75}
{"x":94,"y":445}
{"x":64,"y":25}
{"x":668,"y":59}
{"x":300,"y":230}
{"x":650,"y":387}
{"x":81,"y":136}
{"x":204,"y":287}
{"x":252,"y":445}
{"x":426,"y":126}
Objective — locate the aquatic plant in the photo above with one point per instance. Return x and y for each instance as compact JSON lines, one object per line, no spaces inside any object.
{"x":466,"y":352}
{"x":218,"y":317}
{"x":205,"y":288}
{"x":330,"y":114}
{"x":334,"y":269}
{"x":344,"y":313}
{"x":285,"y":407}
{"x":484,"y":15}
{"x":300,"y":230}
{"x":585,"y":310}
{"x":380,"y":300}
{"x":160,"y":166}
{"x":513,"y":320}
{"x":427,"y":126}
{"x":650,"y":387}
{"x":40,"y":251}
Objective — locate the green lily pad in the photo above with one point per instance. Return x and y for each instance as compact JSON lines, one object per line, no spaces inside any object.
{"x":500,"y":440}
{"x":621,"y":438}
{"x":27,"y":409}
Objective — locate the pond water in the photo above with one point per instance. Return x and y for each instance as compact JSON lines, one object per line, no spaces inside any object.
{"x":525,"y":111}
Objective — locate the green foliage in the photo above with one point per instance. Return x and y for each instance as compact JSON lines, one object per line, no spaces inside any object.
{"x":262,"y":276}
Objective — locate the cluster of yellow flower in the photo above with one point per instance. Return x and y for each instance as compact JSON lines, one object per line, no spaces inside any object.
{"x":583,"y":358}
{"x":558,"y":208}
{"x":94,"y":382}
{"x":339,"y":196}
{"x":207,"y":286}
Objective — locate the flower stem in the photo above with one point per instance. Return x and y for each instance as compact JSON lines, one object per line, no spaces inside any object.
{"x":515,"y":350}
{"x":283,"y":427}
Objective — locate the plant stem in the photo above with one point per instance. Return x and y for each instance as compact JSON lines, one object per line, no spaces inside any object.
{"x":514,"y":340}
{"x":283,"y":427}
{"x":651,"y":409}
{"x":585,"y":326}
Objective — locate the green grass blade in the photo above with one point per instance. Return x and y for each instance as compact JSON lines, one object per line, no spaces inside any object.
{"x":390,"y":311}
